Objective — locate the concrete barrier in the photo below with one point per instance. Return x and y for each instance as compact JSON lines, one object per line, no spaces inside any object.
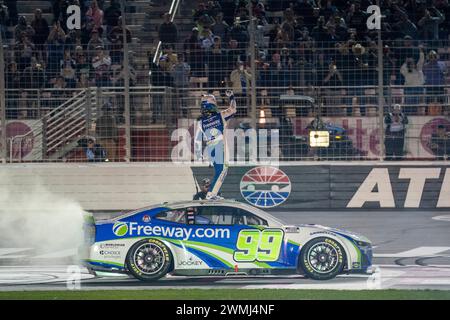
{"x":291,"y":186}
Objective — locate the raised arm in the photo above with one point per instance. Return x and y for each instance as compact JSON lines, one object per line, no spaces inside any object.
{"x":228,"y":113}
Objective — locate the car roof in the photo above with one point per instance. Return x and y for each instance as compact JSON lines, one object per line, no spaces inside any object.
{"x":198,"y":203}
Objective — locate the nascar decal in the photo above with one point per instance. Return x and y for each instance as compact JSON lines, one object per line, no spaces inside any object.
{"x":265,"y":187}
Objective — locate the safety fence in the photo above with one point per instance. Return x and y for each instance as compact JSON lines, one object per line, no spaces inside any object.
{"x":59,"y":126}
{"x":347,"y":87}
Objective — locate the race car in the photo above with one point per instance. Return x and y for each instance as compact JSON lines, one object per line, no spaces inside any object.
{"x":219,"y":238}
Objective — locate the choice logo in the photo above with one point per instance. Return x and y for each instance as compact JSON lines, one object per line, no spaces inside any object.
{"x":120,"y":228}
{"x":265,"y":187}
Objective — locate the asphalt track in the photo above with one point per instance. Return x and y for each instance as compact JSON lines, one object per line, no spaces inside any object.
{"x":412,"y":251}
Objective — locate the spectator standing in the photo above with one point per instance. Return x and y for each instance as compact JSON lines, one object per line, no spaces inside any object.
{"x":112,"y":14}
{"x":82,"y":65}
{"x":181,"y":72}
{"x":168,"y":33}
{"x":429,"y":23}
{"x":4,"y":19}
{"x":216,"y":65}
{"x":55,"y":48}
{"x":194,"y":52}
{"x":440,"y":143}
{"x":59,"y":8}
{"x":168,"y":59}
{"x":68,"y":69}
{"x":116,"y":39}
{"x":107,"y":132}
{"x":102,"y":67}
{"x":220,"y":28}
{"x":434,"y":71}
{"x":240,"y":82}
{"x":41,"y":28}
{"x":94,"y":152}
{"x":414,"y":80}
{"x":12,"y":10}
{"x":394,"y":141}
{"x":23,"y":28}
{"x":24,"y":51}
{"x":405,"y":27}
{"x":93,"y":43}
{"x":96,"y":14}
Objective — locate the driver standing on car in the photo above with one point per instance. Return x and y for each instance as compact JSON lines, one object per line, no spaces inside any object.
{"x":212,"y":125}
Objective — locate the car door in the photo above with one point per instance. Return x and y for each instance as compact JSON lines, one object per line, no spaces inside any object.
{"x":250,"y":243}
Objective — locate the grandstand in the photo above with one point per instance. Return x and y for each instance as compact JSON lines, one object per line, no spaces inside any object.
{"x":312,"y":59}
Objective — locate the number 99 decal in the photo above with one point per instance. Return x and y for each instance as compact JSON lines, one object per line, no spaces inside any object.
{"x":263,"y":246}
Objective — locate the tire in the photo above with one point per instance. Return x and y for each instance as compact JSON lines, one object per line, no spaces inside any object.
{"x":149,"y":260}
{"x":329,"y":262}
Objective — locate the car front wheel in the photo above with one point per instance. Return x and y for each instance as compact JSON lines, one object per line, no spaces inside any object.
{"x":149,"y":260}
{"x":322,"y":259}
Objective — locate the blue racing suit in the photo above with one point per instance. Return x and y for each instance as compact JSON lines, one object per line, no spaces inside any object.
{"x":213,"y":127}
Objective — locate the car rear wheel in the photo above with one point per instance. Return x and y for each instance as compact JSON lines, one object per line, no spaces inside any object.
{"x":149,"y":260}
{"x":322,"y":259}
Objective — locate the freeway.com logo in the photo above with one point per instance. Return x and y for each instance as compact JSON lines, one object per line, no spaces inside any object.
{"x":122,"y":229}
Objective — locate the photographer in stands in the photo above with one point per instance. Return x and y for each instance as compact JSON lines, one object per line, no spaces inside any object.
{"x":394,"y":141}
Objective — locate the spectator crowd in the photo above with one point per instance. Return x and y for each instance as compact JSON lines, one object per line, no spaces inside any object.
{"x":317,"y":43}
{"x":44,"y":53}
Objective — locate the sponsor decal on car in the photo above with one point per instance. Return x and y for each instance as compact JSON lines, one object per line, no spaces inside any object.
{"x":190,"y":262}
{"x":122,"y":229}
{"x":265,"y":187}
{"x":111,"y":245}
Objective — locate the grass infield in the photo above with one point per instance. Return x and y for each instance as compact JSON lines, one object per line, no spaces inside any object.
{"x":228,"y":294}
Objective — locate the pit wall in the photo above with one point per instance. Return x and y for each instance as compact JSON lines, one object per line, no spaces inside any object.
{"x":298,"y":186}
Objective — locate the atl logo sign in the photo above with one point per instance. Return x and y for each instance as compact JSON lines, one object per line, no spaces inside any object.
{"x":265,"y":187}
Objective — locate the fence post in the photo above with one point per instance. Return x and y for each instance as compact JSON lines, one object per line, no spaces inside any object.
{"x":252,"y":67}
{"x":3,"y":142}
{"x":127,"y":85}
{"x":380,"y":91}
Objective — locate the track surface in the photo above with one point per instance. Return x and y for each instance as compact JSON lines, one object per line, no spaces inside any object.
{"x":412,"y":250}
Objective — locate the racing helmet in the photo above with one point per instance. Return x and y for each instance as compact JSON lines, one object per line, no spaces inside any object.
{"x":209,"y":105}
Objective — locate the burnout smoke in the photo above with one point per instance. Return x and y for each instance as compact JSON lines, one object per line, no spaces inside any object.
{"x":33,"y":217}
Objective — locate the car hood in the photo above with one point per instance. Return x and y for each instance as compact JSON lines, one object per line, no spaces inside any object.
{"x":346,"y":233}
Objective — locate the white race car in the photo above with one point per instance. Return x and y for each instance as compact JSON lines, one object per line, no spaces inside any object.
{"x":219,"y":238}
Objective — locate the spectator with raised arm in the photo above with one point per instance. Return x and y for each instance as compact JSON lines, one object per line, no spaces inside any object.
{"x":429,"y":23}
{"x":414,"y":81}
{"x":240,"y":79}
{"x":55,"y":48}
{"x":96,"y":14}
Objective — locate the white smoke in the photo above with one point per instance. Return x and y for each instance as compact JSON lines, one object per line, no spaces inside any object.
{"x":33,"y":217}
